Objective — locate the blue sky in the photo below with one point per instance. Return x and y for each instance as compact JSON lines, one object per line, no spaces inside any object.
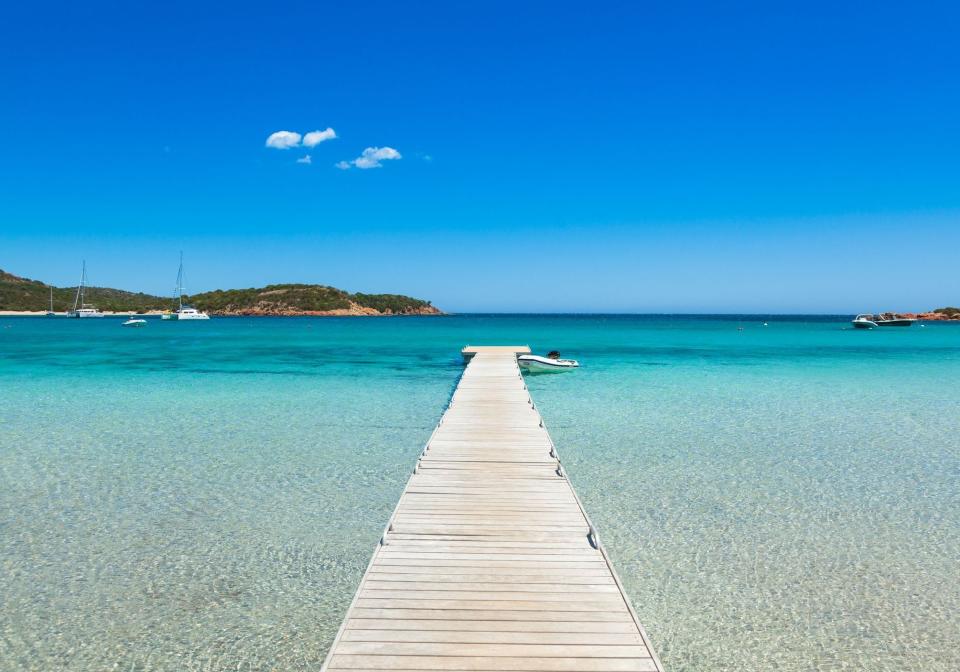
{"x":555,"y":156}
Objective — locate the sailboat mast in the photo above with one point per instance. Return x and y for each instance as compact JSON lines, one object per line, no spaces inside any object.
{"x":51,"y":299}
{"x":180,"y":282}
{"x":78,"y":301}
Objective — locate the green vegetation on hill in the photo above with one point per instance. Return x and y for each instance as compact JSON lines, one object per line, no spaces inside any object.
{"x":294,"y":298}
{"x":22,"y":294}
{"x":390,"y":303}
{"x":949,"y":310}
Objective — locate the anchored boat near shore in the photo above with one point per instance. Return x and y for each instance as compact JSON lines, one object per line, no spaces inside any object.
{"x":869,"y":320}
{"x":184,"y":311}
{"x":81,"y":309}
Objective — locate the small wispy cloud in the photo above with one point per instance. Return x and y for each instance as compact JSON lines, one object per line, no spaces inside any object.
{"x":314,"y":138}
{"x":305,"y":159}
{"x":283,"y":140}
{"x":371,"y":158}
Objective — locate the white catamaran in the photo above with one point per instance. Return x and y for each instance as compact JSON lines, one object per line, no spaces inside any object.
{"x":81,"y":309}
{"x":184,"y":311}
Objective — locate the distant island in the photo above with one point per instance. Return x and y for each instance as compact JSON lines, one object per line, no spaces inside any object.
{"x":23,"y":295}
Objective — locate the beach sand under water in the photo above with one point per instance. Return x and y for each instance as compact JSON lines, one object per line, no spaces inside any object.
{"x":205,"y":496}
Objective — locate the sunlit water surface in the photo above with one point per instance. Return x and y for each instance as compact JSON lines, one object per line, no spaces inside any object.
{"x":205,"y":496}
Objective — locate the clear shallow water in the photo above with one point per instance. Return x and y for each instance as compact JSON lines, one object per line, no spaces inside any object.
{"x":206,"y":496}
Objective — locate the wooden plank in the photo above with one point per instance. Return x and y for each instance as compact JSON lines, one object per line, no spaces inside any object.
{"x":486,"y":565}
{"x":495,"y":349}
{"x":511,"y":557}
{"x":533,"y":603}
{"x":501,"y":521}
{"x":478,"y":517}
{"x":467,"y":593}
{"x":381,"y":586}
{"x":513,"y":627}
{"x":482,"y":637}
{"x":488,"y":547}
{"x":505,"y":574}
{"x":485,"y":614}
{"x":492,"y":564}
{"x":562,"y":574}
{"x":491,"y":650}
{"x":490,"y":664}
{"x":452,"y":495}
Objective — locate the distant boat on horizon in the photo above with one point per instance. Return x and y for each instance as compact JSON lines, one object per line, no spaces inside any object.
{"x":81,"y":309}
{"x":183,"y":311}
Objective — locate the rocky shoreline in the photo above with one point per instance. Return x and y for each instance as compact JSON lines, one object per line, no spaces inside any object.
{"x":355,"y":310}
{"x":359,"y":311}
{"x":934,"y":316}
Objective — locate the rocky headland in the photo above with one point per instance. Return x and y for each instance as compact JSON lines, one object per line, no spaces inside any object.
{"x":937,"y":315}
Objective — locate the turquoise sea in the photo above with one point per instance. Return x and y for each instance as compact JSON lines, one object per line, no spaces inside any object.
{"x":205,"y":496}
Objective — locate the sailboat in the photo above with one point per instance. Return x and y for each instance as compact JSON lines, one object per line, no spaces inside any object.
{"x":81,"y":309}
{"x":184,"y":311}
{"x":50,"y":312}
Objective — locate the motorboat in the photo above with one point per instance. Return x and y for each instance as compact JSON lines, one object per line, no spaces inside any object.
{"x":869,"y":320}
{"x":552,"y":363}
{"x":893,"y":320}
{"x":135,"y":322}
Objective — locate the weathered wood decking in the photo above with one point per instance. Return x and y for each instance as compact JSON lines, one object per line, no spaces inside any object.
{"x":489,"y":562}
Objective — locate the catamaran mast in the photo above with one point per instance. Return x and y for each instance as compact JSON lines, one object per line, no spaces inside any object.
{"x":180,"y":283}
{"x":78,"y":301}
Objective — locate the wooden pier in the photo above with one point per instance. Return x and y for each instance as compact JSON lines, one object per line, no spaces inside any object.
{"x":489,"y":562}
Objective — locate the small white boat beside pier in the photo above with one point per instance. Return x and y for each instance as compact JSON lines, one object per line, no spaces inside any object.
{"x":552,"y":362}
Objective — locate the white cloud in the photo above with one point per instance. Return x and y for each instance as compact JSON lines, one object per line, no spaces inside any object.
{"x":305,"y":159}
{"x":283,"y":140}
{"x":314,"y":138}
{"x":371,"y":158}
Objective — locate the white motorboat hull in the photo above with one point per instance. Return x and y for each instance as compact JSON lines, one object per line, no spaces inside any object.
{"x":545,"y":364}
{"x":135,"y":323}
